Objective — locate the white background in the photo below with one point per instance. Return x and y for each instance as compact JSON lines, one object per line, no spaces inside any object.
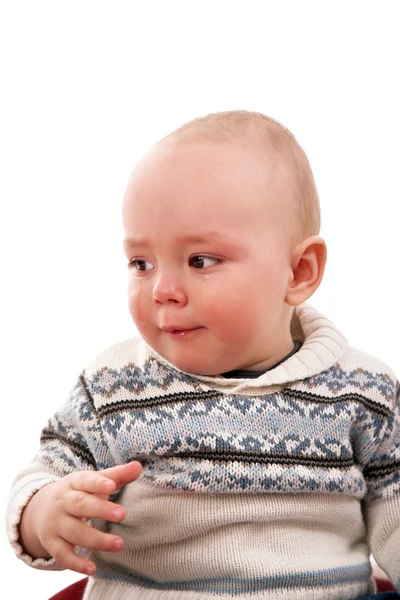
{"x":87,"y":86}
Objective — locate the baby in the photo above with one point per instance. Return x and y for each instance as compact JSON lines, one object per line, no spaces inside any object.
{"x":239,"y":447}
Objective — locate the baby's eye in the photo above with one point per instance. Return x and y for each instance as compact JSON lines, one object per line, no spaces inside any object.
{"x":140,"y":265}
{"x":202,"y":262}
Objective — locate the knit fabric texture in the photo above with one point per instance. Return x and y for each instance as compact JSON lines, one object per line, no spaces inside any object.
{"x":275,"y":487}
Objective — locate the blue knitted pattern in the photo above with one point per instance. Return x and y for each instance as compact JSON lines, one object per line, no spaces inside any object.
{"x":319,"y":578}
{"x":336,"y":432}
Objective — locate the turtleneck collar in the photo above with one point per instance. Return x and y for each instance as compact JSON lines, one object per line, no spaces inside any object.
{"x":322,"y":346}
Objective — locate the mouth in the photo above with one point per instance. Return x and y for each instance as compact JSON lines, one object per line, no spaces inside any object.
{"x":180,"y":332}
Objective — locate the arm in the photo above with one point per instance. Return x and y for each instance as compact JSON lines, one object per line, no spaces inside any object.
{"x":382,"y":503}
{"x":52,"y":498}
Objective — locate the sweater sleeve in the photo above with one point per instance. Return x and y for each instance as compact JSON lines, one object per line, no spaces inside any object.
{"x":71,"y":441}
{"x":382,"y":503}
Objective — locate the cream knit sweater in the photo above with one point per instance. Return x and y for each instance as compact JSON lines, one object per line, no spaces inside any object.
{"x":277,"y":487}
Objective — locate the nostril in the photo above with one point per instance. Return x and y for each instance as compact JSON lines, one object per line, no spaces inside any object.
{"x":169,"y":292}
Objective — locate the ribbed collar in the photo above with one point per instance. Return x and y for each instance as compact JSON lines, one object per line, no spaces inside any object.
{"x":322,"y":346}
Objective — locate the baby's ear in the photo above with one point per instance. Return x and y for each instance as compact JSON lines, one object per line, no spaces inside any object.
{"x":308,"y":265}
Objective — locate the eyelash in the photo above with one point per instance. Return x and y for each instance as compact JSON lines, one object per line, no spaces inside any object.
{"x":203,"y":257}
{"x":134,"y":263}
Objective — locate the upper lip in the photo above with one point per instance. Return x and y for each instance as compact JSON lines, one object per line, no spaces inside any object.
{"x":176,"y":328}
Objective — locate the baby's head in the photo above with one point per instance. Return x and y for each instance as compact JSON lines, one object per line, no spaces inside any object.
{"x":221,"y":223}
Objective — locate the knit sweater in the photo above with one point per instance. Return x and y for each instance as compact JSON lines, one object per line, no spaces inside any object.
{"x":275,"y":487}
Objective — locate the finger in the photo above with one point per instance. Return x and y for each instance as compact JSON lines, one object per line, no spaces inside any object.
{"x":77,"y":533}
{"x":91,"y":506}
{"x":92,"y":482}
{"x":63,"y":553}
{"x":123,"y":474}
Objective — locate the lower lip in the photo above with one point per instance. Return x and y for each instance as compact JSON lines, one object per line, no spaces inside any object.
{"x":180,"y":334}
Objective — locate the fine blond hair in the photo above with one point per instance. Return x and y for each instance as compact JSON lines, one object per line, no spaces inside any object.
{"x":272,"y":137}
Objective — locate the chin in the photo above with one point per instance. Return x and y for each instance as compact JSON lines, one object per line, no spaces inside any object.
{"x":188,"y":359}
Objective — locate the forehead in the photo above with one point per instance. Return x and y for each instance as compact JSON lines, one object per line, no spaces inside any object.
{"x":216,"y":177}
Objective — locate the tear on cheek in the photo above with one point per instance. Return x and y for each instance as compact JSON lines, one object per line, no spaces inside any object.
{"x":136,"y":305}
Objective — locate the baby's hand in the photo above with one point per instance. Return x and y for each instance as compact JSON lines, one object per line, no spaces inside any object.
{"x":54,"y":521}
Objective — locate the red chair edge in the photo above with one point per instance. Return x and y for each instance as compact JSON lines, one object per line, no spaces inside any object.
{"x":74,"y":591}
{"x":384,"y":585}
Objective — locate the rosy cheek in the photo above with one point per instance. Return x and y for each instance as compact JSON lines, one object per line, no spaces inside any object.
{"x":137,"y":302}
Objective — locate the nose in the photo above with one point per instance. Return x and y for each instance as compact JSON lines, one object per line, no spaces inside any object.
{"x":168,"y":288}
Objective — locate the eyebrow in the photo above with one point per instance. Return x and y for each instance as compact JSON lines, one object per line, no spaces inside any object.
{"x":132,"y":242}
{"x":206,"y":237}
